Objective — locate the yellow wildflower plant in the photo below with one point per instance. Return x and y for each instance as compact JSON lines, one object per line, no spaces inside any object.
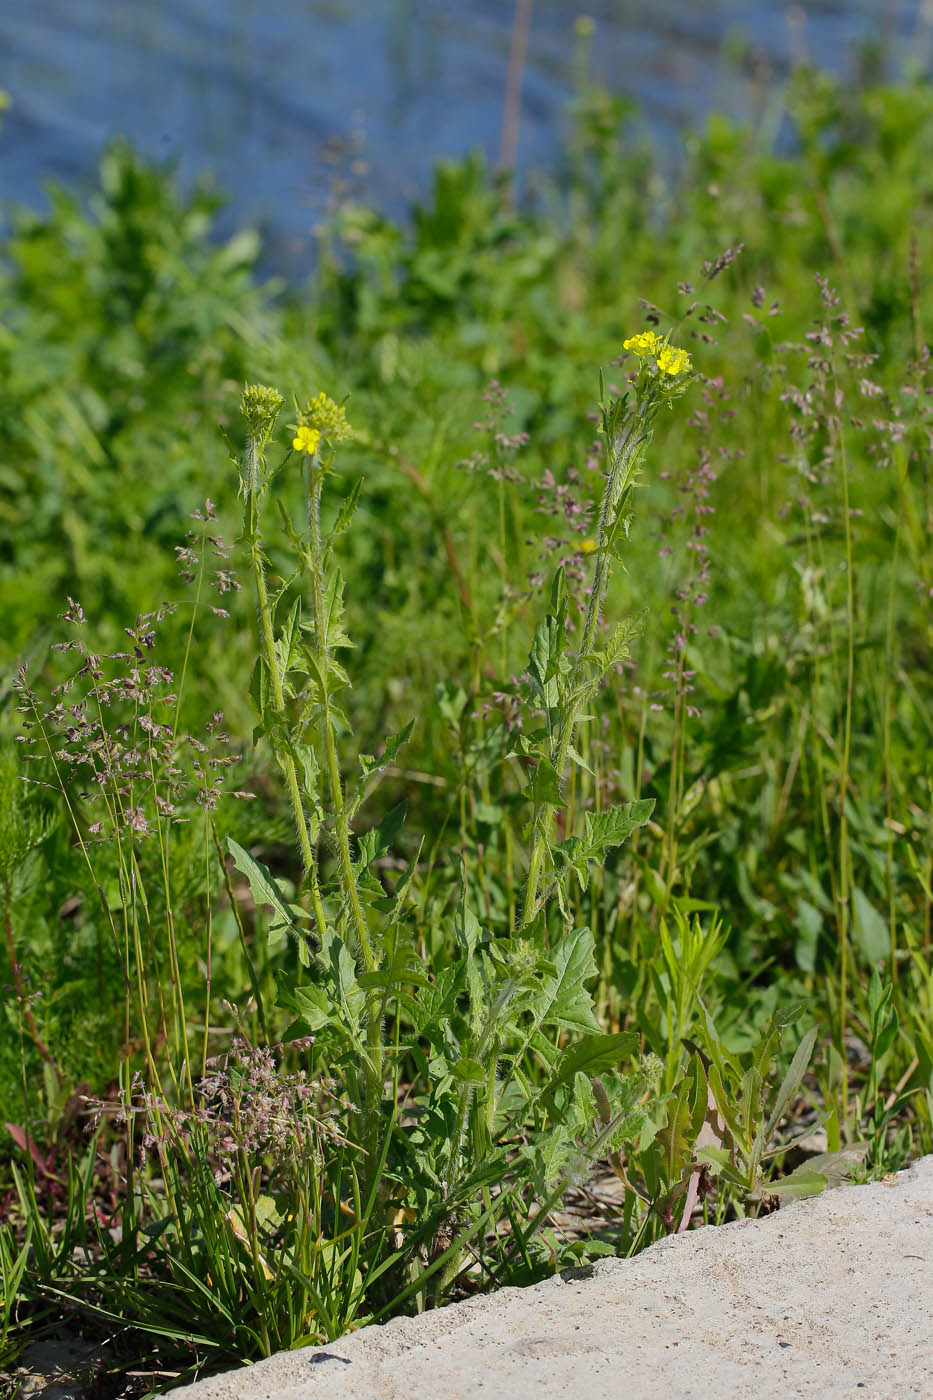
{"x":672,"y":360}
{"x":306,"y":439}
{"x":587,"y":546}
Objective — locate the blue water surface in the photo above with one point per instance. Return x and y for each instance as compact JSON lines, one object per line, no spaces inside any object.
{"x":271,"y":97}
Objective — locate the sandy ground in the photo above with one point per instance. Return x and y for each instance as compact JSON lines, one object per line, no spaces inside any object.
{"x":829,"y":1297}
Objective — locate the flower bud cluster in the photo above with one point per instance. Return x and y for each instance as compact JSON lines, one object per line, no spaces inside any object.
{"x":326,"y":418}
{"x":259,"y":405}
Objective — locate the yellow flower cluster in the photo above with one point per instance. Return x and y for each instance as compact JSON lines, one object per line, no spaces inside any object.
{"x":588,"y":546}
{"x":673,"y":360}
{"x":670,"y":359}
{"x":646,"y":343}
{"x":306,"y":439}
{"x":327,"y":418}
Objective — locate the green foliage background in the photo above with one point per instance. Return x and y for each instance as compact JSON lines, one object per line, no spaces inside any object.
{"x":792,"y":797}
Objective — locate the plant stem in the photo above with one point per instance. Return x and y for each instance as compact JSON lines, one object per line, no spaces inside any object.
{"x":845,"y":876}
{"x":267,"y":637}
{"x":622,"y":469}
{"x":314,"y":560}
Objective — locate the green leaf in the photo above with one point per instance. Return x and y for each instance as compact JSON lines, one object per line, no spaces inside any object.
{"x":544,"y":661}
{"x":340,"y":969}
{"x":618,"y":646}
{"x":260,"y":693}
{"x":578,"y":758}
{"x":347,"y":510}
{"x":379,"y":838}
{"x":804,"y":1181}
{"x":591,"y":1055}
{"x":563,"y":999}
{"x":286,"y":644}
{"x":544,"y":788}
{"x":451,"y":701}
{"x":310,"y":1002}
{"x":334,"y":612}
{"x":871,"y":930}
{"x":371,"y":765}
{"x":466,"y":924}
{"x":792,"y":1079}
{"x":469,"y":1071}
{"x":265,"y":891}
{"x":603,"y":831}
{"x":391,"y":906}
{"x":719,"y":1158}
{"x":809,"y":923}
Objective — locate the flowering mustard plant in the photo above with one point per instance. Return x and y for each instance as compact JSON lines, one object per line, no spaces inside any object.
{"x":564,"y":686}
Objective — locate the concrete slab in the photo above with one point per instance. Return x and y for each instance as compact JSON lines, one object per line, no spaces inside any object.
{"x":830,"y":1297}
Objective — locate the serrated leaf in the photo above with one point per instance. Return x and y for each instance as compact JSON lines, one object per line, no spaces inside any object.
{"x":466,"y":924}
{"x":379,"y":838}
{"x":451,"y":701}
{"x":709,"y":1155}
{"x":618,"y":647}
{"x":347,"y":510}
{"x":563,"y":999}
{"x":544,"y":788}
{"x":578,"y":758}
{"x":286,"y":643}
{"x":311,"y":1003}
{"x":604,"y":831}
{"x":392,"y":905}
{"x":260,"y":691}
{"x":340,"y":970}
{"x":583,"y":1103}
{"x":334,"y":612}
{"x":371,"y":765}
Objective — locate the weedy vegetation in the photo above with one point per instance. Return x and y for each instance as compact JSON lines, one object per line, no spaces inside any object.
{"x":473,"y":815}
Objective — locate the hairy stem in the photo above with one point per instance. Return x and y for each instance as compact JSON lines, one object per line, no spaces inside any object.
{"x":619,"y":480}
{"x":314,"y":562}
{"x":267,"y":639}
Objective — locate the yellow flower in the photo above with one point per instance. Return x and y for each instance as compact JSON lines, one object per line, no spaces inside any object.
{"x":306,"y":439}
{"x":646,"y":343}
{"x":673,"y":360}
{"x":588,"y":546}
